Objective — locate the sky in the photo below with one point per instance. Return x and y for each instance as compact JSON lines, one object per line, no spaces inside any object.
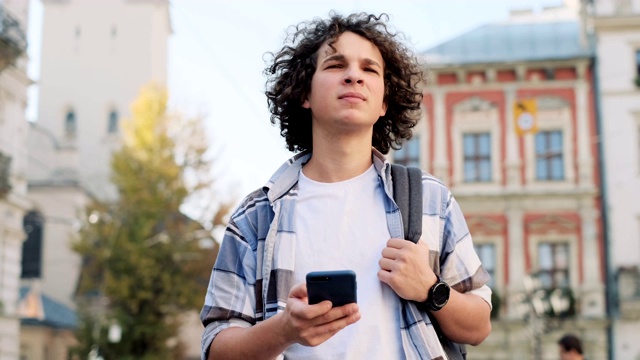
{"x":216,"y":63}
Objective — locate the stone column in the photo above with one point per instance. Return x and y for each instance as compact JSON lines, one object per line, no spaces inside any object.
{"x":513,"y":161}
{"x":585,"y":160}
{"x":515,"y":218}
{"x":440,"y":161}
{"x":592,"y":289}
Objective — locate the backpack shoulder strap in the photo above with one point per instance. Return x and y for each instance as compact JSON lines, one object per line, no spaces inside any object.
{"x":407,"y":192}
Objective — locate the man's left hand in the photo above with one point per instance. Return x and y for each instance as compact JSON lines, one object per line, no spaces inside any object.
{"x":404,"y":266}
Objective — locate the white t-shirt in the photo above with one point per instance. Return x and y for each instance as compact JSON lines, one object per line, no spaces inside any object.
{"x":343,"y":226}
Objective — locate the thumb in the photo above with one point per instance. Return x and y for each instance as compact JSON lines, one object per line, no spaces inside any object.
{"x":299,"y":291}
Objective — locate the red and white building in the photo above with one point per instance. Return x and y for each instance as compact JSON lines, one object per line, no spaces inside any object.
{"x":528,"y":185}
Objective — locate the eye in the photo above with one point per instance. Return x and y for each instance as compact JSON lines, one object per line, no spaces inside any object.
{"x":334,"y":66}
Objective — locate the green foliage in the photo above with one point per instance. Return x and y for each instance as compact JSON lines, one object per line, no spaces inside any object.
{"x":142,"y":266}
{"x":496,"y":304}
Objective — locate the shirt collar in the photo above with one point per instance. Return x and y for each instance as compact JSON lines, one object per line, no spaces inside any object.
{"x":287,"y":175}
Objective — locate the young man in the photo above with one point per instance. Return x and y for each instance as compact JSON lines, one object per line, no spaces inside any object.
{"x":570,"y":348}
{"x":344,"y":91}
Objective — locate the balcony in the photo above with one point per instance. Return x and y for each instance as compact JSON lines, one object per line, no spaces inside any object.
{"x":13,"y":41}
{"x":5,"y":165}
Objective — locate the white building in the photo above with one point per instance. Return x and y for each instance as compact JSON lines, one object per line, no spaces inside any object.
{"x":617,"y":25}
{"x":13,"y":166}
{"x":13,"y":159}
{"x":95,"y":57}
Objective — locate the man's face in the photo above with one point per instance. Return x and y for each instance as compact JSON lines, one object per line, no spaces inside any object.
{"x":568,"y":355}
{"x":347,"y":89}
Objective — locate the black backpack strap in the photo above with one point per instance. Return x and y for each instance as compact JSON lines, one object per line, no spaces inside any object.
{"x":407,"y":192}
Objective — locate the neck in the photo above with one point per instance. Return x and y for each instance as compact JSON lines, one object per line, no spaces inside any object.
{"x":339,"y":159}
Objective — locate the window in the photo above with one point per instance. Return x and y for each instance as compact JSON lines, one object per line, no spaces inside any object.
{"x":487,"y":254}
{"x":32,"y":246}
{"x":112,"y":125}
{"x":70,"y":123}
{"x":549,"y":73}
{"x":477,"y":157}
{"x":637,"y":63}
{"x":409,"y":155}
{"x":549,"y":157}
{"x":553,"y":262}
{"x":5,"y":174}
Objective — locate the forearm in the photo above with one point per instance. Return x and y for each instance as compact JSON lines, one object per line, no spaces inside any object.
{"x":265,"y":340}
{"x":465,"y":319}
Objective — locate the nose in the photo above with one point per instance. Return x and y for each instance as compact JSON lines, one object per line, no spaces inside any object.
{"x":353,"y":76}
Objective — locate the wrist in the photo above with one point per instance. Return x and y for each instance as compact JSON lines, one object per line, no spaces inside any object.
{"x":437,"y":296}
{"x":283,"y":331}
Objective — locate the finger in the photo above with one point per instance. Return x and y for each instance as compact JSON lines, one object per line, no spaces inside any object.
{"x":332,"y":327}
{"x":336,"y":313}
{"x":310,"y":312}
{"x":389,"y":253}
{"x":299,"y":291}
{"x":398,"y":243}
{"x":385,"y":276}
{"x":387,"y":264}
{"x":319,"y":334}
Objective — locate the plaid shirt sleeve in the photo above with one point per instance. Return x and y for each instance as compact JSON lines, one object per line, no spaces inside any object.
{"x":231,"y":297}
{"x":460,"y":266}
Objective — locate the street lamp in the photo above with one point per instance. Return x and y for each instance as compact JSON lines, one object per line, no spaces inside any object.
{"x":538,"y":305}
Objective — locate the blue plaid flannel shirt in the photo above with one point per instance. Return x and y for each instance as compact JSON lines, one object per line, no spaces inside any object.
{"x":253,"y":274}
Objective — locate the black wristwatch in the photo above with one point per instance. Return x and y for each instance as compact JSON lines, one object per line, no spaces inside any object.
{"x":438,"y":295}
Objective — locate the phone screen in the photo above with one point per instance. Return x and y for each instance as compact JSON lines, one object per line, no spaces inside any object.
{"x":338,"y":286}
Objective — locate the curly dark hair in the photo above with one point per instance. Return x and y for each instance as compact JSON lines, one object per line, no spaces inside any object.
{"x":571,"y":342}
{"x":291,"y":70}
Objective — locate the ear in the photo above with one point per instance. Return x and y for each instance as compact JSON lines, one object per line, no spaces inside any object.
{"x":306,"y":104}
{"x":383,"y":111}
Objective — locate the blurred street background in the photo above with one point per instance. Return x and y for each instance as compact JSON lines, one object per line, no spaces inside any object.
{"x":130,"y":129}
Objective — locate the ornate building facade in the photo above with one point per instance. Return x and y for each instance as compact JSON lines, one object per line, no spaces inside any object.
{"x":510,"y":126}
{"x":13,"y":166}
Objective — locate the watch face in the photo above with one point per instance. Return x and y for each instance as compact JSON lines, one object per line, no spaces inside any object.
{"x":440,"y":294}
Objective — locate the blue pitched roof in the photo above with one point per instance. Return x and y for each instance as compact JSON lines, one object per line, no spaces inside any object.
{"x":511,"y":42}
{"x":56,"y":315}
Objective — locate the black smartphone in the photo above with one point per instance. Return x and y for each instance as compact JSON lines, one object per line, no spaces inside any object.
{"x":338,"y":286}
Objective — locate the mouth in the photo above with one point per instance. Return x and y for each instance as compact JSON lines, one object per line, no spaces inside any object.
{"x":352,"y":95}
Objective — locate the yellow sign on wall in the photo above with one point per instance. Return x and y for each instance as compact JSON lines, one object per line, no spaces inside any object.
{"x":525,"y":116}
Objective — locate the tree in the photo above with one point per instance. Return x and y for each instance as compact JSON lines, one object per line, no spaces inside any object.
{"x":143,"y":265}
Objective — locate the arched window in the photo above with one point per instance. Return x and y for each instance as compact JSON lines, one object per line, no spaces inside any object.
{"x":112,"y":122}
{"x":32,"y":247}
{"x":70,"y":123}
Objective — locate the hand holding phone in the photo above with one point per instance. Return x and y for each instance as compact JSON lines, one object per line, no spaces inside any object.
{"x":338,"y":286}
